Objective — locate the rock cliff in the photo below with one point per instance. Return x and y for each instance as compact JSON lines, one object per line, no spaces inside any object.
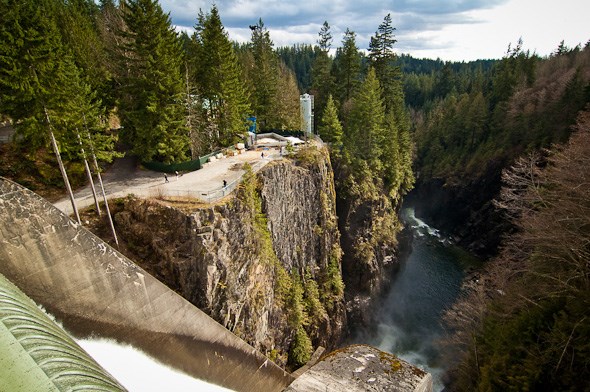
{"x":463,"y":210}
{"x":265,"y":263}
{"x":370,"y":228}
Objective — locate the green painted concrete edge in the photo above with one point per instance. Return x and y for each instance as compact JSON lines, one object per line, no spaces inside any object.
{"x":38,"y":355}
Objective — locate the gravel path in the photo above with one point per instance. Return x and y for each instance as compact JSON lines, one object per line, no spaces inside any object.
{"x":125,"y":178}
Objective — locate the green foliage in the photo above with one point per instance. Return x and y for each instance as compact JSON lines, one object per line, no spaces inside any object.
{"x":301,"y":349}
{"x":382,"y":59}
{"x":274,"y":92}
{"x":218,"y":79}
{"x":298,"y":316}
{"x":346,"y":67}
{"x":330,"y":128}
{"x":378,"y":144}
{"x":532,"y":321}
{"x":308,"y":156}
{"x":365,"y":131}
{"x":332,"y":284}
{"x":41,"y":87}
{"x":150,"y":96}
{"x":311,"y":299}
{"x":322,"y":78}
{"x":299,"y":58}
{"x":494,"y":115}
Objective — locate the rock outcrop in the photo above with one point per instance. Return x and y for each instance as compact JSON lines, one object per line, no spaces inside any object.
{"x":464,"y":210}
{"x":265,"y":263}
{"x":369,"y":224}
{"x":371,"y":370}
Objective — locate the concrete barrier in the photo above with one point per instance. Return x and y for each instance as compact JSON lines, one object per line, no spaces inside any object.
{"x":93,"y":289}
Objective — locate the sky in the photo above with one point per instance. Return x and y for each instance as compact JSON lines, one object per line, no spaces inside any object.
{"x":452,"y":30}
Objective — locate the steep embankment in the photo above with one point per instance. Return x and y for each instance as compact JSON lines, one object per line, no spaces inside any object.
{"x":265,"y":263}
{"x":464,"y":209}
{"x":370,"y":228}
{"x":465,"y":140}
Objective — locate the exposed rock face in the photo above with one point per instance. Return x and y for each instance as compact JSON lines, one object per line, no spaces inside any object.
{"x":238,"y":260}
{"x":300,"y":204}
{"x":371,"y":370}
{"x":369,"y":226}
{"x":464,"y":211}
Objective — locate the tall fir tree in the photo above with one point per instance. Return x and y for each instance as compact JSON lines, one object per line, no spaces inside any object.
{"x":39,"y":81}
{"x":365,"y":127}
{"x":347,"y":67}
{"x":286,"y":105}
{"x":150,"y":100}
{"x":219,"y":80}
{"x":322,"y":79}
{"x":382,"y":59}
{"x":330,"y":128}
{"x":79,"y":26}
{"x":263,"y":76}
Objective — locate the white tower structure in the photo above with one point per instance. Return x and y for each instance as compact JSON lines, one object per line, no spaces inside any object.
{"x":306,"y":104}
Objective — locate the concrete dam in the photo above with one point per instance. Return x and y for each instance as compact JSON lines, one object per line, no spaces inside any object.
{"x":94,"y":290}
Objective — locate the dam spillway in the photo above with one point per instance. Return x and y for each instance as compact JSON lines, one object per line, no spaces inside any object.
{"x":93,"y":289}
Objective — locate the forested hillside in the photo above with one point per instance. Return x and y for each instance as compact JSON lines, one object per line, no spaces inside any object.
{"x":525,"y":324}
{"x":481,"y":125}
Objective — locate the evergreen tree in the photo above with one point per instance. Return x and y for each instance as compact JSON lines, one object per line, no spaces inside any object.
{"x":330,"y":128}
{"x":79,"y":21}
{"x":322,"y":80}
{"x":382,"y":59}
{"x":347,"y":67}
{"x":286,"y":105}
{"x":110,"y":25}
{"x":264,"y":76}
{"x":42,"y":90}
{"x":39,"y":80}
{"x":365,"y":130}
{"x":151,"y":105}
{"x":300,"y":58}
{"x":219,"y":80}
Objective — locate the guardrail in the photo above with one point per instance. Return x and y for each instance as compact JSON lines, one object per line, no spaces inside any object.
{"x":211,"y":196}
{"x":214,"y":195}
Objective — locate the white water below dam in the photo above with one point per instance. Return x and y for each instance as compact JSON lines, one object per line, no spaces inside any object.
{"x":137,"y":371}
{"x":428,"y":282}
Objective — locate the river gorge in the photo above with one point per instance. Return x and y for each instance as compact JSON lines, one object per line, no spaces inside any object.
{"x":408,"y":319}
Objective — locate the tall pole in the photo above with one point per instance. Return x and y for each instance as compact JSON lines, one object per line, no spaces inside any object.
{"x":88,"y":173}
{"x":61,"y":167}
{"x":104,"y":195}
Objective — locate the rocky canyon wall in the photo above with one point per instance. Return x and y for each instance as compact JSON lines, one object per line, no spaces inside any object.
{"x":265,"y":262}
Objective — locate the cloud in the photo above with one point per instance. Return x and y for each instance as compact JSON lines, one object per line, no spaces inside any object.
{"x":291,"y":22}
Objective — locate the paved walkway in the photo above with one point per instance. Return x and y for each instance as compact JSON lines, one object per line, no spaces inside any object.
{"x":124,"y":178}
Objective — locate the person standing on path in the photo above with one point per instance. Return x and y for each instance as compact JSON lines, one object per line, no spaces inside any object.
{"x":166,"y":178}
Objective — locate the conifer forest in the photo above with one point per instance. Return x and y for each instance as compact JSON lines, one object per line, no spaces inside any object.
{"x":507,"y":140}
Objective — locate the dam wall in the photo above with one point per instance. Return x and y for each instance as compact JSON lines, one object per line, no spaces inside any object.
{"x":94,"y":290}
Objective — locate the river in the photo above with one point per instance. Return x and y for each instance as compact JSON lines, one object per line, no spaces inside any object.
{"x":428,"y":281}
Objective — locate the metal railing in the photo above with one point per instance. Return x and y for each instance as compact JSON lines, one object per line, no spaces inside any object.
{"x":213,"y":195}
